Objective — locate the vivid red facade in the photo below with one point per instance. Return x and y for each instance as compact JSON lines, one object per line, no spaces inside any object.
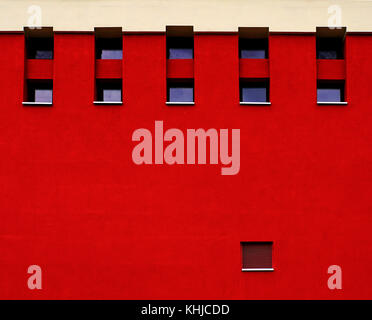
{"x":73,"y":202}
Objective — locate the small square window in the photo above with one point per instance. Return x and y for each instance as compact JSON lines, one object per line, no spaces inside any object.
{"x":40,"y":91}
{"x":109,"y":43}
{"x":330,"y":48}
{"x":253,"y":48}
{"x":330,"y":43}
{"x":180,"y":90}
{"x":254,"y":91}
{"x":109,"y":90}
{"x":39,"y":43}
{"x":330,"y":91}
{"x":257,"y":256}
{"x":180,"y":47}
{"x":109,"y":48}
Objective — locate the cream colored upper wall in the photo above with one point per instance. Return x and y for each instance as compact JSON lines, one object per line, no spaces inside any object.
{"x":204,"y":15}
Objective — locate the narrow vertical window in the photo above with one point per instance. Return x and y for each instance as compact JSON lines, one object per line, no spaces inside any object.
{"x":331,"y":66}
{"x":38,"y":67}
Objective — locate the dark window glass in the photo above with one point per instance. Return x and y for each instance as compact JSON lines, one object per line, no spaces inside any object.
{"x":330,"y":48}
{"x":253,"y":48}
{"x":180,"y":91}
{"x":327,"y":54}
{"x":109,"y":90}
{"x":43,"y":54}
{"x":254,"y":91}
{"x":109,"y":48}
{"x":257,"y":255}
{"x":330,"y":92}
{"x":40,"y":91}
{"x":180,"y":48}
{"x":39,"y":48}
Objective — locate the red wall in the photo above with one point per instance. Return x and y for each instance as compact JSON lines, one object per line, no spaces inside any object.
{"x":73,"y":202}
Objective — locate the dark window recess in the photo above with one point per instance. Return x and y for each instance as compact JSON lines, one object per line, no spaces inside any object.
{"x":109,"y":90}
{"x":330,"y":91}
{"x":180,"y":91}
{"x":180,"y":47}
{"x":39,"y":91}
{"x":330,"y":48}
{"x":39,"y":48}
{"x":109,"y":48}
{"x":254,"y":91}
{"x":257,"y":255}
{"x":253,"y":48}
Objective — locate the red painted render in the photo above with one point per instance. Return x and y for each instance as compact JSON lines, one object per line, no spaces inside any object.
{"x":254,"y":68}
{"x":109,"y":69}
{"x":39,"y":69}
{"x":331,"y":69}
{"x":180,"y":68}
{"x":73,"y":202}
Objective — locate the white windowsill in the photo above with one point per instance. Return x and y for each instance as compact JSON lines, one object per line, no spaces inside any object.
{"x":334,"y":102}
{"x":257,"y":269}
{"x":180,"y":103}
{"x":108,"y":102}
{"x":255,"y":103}
{"x":30,"y":103}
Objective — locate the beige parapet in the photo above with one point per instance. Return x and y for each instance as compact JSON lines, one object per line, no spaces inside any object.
{"x":203,"y":15}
